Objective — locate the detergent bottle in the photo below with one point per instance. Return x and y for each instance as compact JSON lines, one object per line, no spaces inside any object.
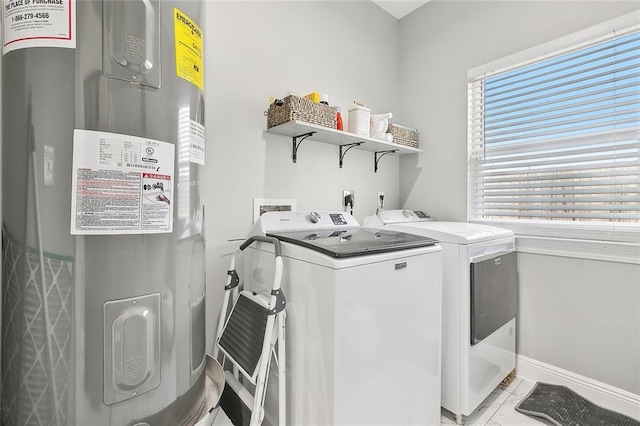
{"x":339,"y":122}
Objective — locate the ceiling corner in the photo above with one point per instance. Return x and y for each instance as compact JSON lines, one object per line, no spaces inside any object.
{"x":399,"y":8}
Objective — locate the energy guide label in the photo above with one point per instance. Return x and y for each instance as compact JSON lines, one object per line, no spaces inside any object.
{"x":38,"y":23}
{"x":121,"y":184}
{"x":188,"y":49}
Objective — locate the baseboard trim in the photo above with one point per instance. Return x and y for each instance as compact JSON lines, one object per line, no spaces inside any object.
{"x":597,"y":392}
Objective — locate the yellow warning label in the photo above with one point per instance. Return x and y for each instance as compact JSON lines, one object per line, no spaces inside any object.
{"x":188,"y":49}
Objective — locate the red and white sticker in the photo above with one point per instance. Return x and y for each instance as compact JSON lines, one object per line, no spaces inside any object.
{"x":38,"y":23}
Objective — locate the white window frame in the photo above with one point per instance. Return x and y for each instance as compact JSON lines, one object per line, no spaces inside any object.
{"x":612,"y":242}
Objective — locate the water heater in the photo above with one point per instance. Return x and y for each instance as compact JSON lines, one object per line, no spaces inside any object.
{"x":103,"y":281}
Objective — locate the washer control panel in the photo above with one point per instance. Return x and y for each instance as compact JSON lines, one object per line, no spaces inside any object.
{"x":299,"y":221}
{"x":402,"y":216}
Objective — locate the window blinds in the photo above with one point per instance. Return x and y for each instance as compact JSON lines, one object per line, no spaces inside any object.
{"x":559,"y":139}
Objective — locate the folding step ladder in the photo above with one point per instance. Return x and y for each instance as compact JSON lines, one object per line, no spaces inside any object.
{"x":248,"y":337}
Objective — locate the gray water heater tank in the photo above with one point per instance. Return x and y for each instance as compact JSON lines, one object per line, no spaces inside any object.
{"x":103,"y":250}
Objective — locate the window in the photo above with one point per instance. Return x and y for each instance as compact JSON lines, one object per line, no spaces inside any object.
{"x":555,"y":140}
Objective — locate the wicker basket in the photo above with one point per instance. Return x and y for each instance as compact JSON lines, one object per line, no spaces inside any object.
{"x":404,"y":135}
{"x":295,"y":108}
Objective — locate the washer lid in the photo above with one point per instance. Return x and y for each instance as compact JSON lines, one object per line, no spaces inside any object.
{"x":354,"y":242}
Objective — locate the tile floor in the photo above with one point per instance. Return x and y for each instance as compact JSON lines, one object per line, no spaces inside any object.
{"x":497,"y":410}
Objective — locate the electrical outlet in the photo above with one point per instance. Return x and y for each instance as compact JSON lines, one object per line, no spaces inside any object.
{"x":348,"y":198}
{"x":380,"y":200}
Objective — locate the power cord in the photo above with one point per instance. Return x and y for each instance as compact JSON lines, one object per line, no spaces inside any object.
{"x":349,"y":202}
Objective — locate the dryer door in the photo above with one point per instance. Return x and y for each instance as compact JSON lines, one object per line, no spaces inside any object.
{"x":494,"y":282}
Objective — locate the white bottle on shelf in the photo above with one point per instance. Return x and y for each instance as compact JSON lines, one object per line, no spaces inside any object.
{"x":359,"y":116}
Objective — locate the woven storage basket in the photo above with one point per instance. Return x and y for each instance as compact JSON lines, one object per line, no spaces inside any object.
{"x":301,"y":109}
{"x":404,"y":135}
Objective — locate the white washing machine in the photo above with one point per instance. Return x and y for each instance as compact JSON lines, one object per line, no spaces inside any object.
{"x":363,"y":325}
{"x":479,"y":303}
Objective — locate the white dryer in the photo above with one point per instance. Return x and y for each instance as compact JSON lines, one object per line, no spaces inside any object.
{"x":363,"y":324}
{"x":479,"y":303}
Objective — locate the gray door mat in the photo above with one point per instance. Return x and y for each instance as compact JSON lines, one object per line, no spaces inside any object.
{"x":564,"y":407}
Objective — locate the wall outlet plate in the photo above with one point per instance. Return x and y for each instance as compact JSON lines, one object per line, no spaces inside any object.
{"x":346,"y":195}
{"x":380,"y":200}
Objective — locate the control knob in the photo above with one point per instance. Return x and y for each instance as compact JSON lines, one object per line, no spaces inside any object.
{"x":313,"y":217}
{"x":407,"y":214}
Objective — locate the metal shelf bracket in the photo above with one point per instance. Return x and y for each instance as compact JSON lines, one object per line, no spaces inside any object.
{"x":348,"y":146}
{"x":377,"y":158}
{"x":296,"y":143}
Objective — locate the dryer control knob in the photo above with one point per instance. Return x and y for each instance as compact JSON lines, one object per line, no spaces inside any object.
{"x":313,"y":217}
{"x":407,"y":214}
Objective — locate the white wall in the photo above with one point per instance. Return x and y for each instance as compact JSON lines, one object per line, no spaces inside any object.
{"x":576,"y":314}
{"x":582,"y":316}
{"x":255,"y":50}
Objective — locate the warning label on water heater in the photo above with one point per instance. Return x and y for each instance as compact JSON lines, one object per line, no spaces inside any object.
{"x":188,"y":37}
{"x":121,"y":184}
{"x":38,"y":23}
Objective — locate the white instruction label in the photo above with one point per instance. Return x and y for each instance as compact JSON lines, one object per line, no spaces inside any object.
{"x":121,"y":184}
{"x":38,"y":23}
{"x":196,"y":141}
